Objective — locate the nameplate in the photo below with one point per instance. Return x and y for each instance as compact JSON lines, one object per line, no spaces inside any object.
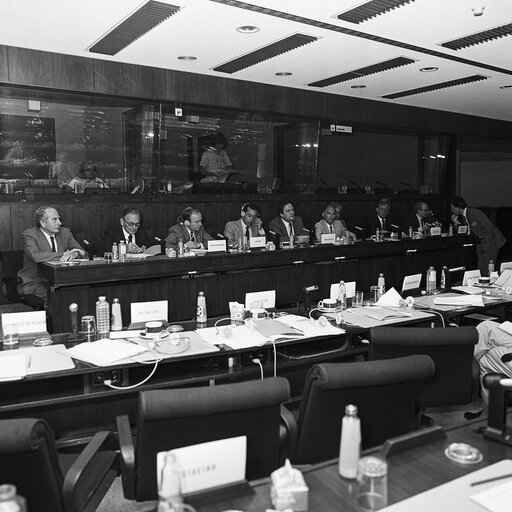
{"x":435,"y":231}
{"x":204,"y":466}
{"x":148,"y":311}
{"x":505,"y":265}
{"x":257,"y":300}
{"x":25,"y":323}
{"x":411,"y":282}
{"x":216,"y":245}
{"x":471,"y":277}
{"x":462,"y":230}
{"x":329,"y":238}
{"x":257,"y":242}
{"x":350,"y":286}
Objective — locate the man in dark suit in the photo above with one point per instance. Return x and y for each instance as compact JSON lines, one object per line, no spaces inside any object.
{"x":48,"y":241}
{"x":286,"y":223}
{"x":421,"y":220}
{"x":381,"y":219}
{"x":190,"y":230}
{"x":131,"y":231}
{"x":488,"y":237}
{"x":249,"y":224}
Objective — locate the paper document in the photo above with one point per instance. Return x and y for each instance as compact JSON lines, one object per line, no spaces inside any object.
{"x":380,"y":313}
{"x":504,"y":280}
{"x":105,"y":352}
{"x":52,"y":358}
{"x":470,"y":290}
{"x":233,"y":336}
{"x":497,"y":498}
{"x":390,"y":299}
{"x":506,"y":327}
{"x":460,"y":300}
{"x":310,"y":328}
{"x":13,"y":366}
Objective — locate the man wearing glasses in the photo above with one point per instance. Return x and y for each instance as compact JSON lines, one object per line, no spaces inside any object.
{"x":129,"y":230}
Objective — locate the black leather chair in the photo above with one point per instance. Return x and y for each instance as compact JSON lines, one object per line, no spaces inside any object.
{"x":57,"y":483}
{"x":450,"y":349}
{"x":173,"y":418}
{"x":385,"y":393}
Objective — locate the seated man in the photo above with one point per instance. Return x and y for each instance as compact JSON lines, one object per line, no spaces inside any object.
{"x":88,"y":178}
{"x":330,"y":224}
{"x":421,"y":220}
{"x":287,"y":223}
{"x":249,"y":224}
{"x":381,"y":219}
{"x":129,"y":230}
{"x":493,"y":344}
{"x":48,"y":241}
{"x":189,"y":229}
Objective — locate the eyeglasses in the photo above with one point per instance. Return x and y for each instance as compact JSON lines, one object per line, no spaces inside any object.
{"x":132,"y":224}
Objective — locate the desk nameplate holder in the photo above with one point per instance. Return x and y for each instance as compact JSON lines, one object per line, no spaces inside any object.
{"x":497,"y":429}
{"x":412,"y":440}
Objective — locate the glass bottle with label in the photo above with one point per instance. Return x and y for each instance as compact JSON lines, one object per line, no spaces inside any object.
{"x":342,"y":295}
{"x":103,"y":316}
{"x":201,"y":317}
{"x":350,"y":445}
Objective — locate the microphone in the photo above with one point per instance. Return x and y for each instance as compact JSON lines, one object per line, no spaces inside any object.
{"x":158,"y":239}
{"x":272,"y":233}
{"x":306,"y":229}
{"x":456,"y":269}
{"x":358,"y":228}
{"x":86,"y":242}
{"x":395,"y":226}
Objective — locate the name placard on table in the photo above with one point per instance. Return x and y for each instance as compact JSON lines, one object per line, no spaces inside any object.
{"x":329,"y":238}
{"x":30,"y":322}
{"x":147,"y":311}
{"x":217,"y":246}
{"x":257,"y":242}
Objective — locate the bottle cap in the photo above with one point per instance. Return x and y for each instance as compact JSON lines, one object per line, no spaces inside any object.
{"x":73,"y":306}
{"x":350,"y":410}
{"x":102,"y":297}
{"x":116,"y":300}
{"x":201,"y":293}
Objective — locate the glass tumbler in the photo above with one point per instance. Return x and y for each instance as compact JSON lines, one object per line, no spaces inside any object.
{"x":372,"y":484}
{"x":10,"y":336}
{"x":358,"y":299}
{"x":88,"y":326}
{"x":375,"y":293}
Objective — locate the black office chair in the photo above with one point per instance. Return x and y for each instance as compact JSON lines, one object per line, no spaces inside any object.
{"x":173,"y":418}
{"x":385,"y":393}
{"x":60,"y":483}
{"x":450,"y":349}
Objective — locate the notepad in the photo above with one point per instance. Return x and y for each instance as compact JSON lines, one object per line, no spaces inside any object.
{"x":497,"y":498}
{"x":13,"y":367}
{"x":105,"y":352}
{"x":380,"y":314}
{"x":506,"y":326}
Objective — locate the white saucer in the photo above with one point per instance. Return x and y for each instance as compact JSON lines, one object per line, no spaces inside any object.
{"x":329,"y":310}
{"x":152,"y":337}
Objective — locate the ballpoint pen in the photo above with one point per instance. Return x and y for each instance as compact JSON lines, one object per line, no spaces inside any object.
{"x":488,"y":480}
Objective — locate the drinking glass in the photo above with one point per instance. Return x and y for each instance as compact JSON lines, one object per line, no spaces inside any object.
{"x":372,"y":484}
{"x":88,"y":326}
{"x":375,"y":293}
{"x":357,"y":301}
{"x":10,"y":338}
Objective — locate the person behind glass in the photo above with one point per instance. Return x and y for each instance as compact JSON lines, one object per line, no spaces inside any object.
{"x":88,"y":178}
{"x":129,"y":230}
{"x":338,"y":208}
{"x":189,"y":229}
{"x":215,"y":164}
{"x":381,"y":219}
{"x":488,"y":237}
{"x":249,"y":225}
{"x":330,"y":225}
{"x":286,"y":223}
{"x":47,"y":241}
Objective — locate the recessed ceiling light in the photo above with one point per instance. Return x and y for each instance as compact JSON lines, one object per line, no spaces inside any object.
{"x":429,"y":69}
{"x":284,"y":73}
{"x":187,"y":57}
{"x":478,"y":11}
{"x":509,"y":86}
{"x":248,"y":29}
{"x":358,"y":86}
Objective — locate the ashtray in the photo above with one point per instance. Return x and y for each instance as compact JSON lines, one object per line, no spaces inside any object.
{"x":463,"y":453}
{"x":43,"y":342}
{"x":175,"y":328}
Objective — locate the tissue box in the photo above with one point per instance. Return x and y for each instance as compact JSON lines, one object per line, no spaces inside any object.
{"x":288,"y":489}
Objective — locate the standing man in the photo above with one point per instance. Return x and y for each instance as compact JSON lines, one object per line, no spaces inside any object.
{"x":488,"y":237}
{"x":130,"y":231}
{"x":215,"y":164}
{"x":286,"y":223}
{"x":331,"y":225}
{"x":48,"y":241}
{"x":189,"y":229}
{"x":249,"y":224}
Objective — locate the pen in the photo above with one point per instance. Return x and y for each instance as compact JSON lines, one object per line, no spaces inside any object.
{"x":491,"y":479}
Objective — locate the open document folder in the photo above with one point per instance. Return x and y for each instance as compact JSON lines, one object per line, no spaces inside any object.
{"x":265,"y":330}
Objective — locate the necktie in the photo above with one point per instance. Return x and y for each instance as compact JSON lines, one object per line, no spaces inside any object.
{"x":291,"y":229}
{"x":192,"y":237}
{"x":54,"y":247}
{"x":247,"y":233}
{"x":130,"y":238}
{"x":330,"y":228}
{"x":381,"y":223}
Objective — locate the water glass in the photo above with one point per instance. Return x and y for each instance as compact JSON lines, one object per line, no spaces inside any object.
{"x":372,"y":484}
{"x":357,"y":301}
{"x":88,"y":326}
{"x":10,"y":338}
{"x":108,"y":257}
{"x":375,"y":293}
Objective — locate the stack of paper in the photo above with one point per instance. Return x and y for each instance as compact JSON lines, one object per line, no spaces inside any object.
{"x":460,"y":300}
{"x":105,"y":352}
{"x":13,"y":366}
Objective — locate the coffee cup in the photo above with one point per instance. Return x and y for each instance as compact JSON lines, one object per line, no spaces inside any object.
{"x":328,"y":304}
{"x":153,"y":329}
{"x":258,"y":313}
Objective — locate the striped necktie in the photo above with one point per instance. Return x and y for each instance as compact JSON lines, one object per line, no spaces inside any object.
{"x":54,"y":247}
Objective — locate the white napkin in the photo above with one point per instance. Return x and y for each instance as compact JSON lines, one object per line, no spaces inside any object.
{"x":390,"y":299}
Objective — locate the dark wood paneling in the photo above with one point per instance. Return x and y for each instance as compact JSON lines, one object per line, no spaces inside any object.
{"x":4,"y":67}
{"x":128,"y":80}
{"x":5,"y":227}
{"x":196,"y":88}
{"x":47,"y":69}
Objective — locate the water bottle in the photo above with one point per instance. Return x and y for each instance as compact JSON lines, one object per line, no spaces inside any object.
{"x":10,"y":500}
{"x":342,"y":295}
{"x":201,"y":317}
{"x":122,"y":251}
{"x":181,"y":248}
{"x":169,"y":491}
{"x":411,"y":232}
{"x":491,"y":267}
{"x":350,"y":445}
{"x":450,"y":229}
{"x":431,"y":280}
{"x":115,"y":252}
{"x":381,"y":283}
{"x":117,"y":319}
{"x":445,"y":279}
{"x":102,"y":316}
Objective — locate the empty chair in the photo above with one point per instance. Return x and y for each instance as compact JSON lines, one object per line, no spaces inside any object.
{"x":385,"y":393}
{"x":450,"y":349}
{"x":173,"y":418}
{"x":67,"y":483}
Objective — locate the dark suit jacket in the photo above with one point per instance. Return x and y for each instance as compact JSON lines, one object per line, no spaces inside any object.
{"x":372,"y":223}
{"x":109,"y":237}
{"x":37,"y":249}
{"x":487,"y":233}
{"x":277,"y":226}
{"x":179,"y":231}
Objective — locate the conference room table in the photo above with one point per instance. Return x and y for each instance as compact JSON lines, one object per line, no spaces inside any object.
{"x":410,"y":473}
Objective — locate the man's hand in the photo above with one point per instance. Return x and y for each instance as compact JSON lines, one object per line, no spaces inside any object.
{"x":71,"y":255}
{"x":132,"y":248}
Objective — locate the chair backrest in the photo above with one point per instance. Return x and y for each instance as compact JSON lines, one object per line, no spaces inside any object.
{"x":451,"y":349}
{"x":173,"y":418}
{"x":385,"y":393}
{"x":28,"y":459}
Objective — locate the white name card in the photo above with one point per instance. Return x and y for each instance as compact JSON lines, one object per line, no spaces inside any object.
{"x":217,"y":246}
{"x":350,"y":286}
{"x":257,"y":300}
{"x":25,"y":323}
{"x":435,"y":231}
{"x":462,"y":230}
{"x":329,"y":238}
{"x":471,"y":277}
{"x":207,"y":465}
{"x":148,"y":311}
{"x":256,"y":242}
{"x":411,"y":282}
